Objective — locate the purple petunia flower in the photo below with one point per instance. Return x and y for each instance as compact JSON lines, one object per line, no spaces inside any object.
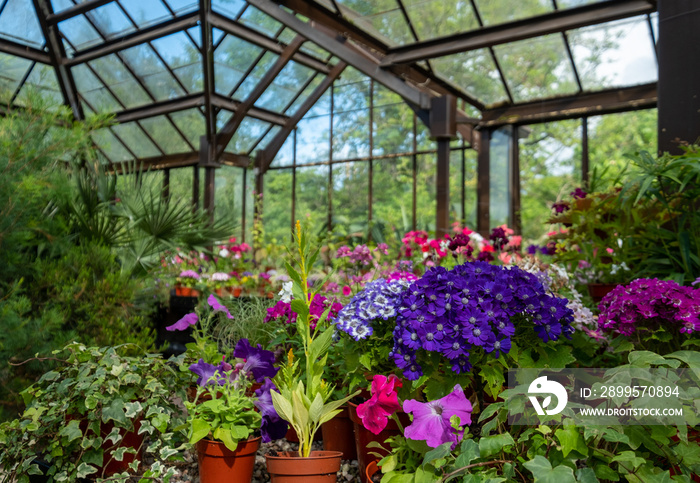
{"x":431,"y":420}
{"x":258,"y":361}
{"x":272,"y":426}
{"x":184,"y":323}
{"x":216,"y":305}
{"x":207,"y":371}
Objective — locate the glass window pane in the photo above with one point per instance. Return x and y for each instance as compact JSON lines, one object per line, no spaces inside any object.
{"x":468,"y":217}
{"x":257,"y":20}
{"x":178,"y":50}
{"x":426,"y":205}
{"x":18,"y":23}
{"x":285,"y":156}
{"x":111,"y":146}
{"x":12,"y":70}
{"x":473,"y":71}
{"x":249,"y":204}
{"x":390,"y":27}
{"x":285,"y":87}
{"x":229,"y":8}
{"x":136,"y":139}
{"x":247,"y":135}
{"x":493,"y":12}
{"x":499,"y":174}
{"x":550,"y":168}
{"x":538,"y":67}
{"x":614,"y":54}
{"x":351,"y":134}
{"x":277,"y":208}
{"x":228,"y":198}
{"x":110,"y":20}
{"x":232,"y":59}
{"x":222,"y":118}
{"x":348,"y":97}
{"x":43,"y":80}
{"x":191,"y":124}
{"x":143,"y":60}
{"x":268,"y":137}
{"x":78,"y":34}
{"x":322,"y":106}
{"x":145,"y":13}
{"x":93,"y":91}
{"x":392,"y":197}
{"x":304,"y":95}
{"x":350,"y":200}
{"x":562,"y":4}
{"x":312,"y":197}
{"x":255,"y":76}
{"x":393,"y":129}
{"x":59,"y":5}
{"x":112,"y":71}
{"x":182,"y":6}
{"x":165,"y":135}
{"x":438,"y":18}
{"x":313,"y":135}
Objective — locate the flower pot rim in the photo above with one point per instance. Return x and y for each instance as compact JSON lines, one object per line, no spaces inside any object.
{"x":319,"y":454}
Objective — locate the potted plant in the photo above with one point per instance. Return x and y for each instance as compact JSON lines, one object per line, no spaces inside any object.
{"x":89,"y":418}
{"x":186,"y":283}
{"x":217,"y":282}
{"x":303,"y":397}
{"x":222,"y":421}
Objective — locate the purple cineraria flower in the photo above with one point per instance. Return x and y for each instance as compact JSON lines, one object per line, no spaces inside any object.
{"x":578,"y":193}
{"x":189,"y":274}
{"x":184,"y":323}
{"x":272,"y":426}
{"x":431,"y":420}
{"x":258,"y":361}
{"x":210,"y":374}
{"x":216,"y":305}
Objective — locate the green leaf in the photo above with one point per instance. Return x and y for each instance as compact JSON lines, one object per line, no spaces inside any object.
{"x":282,"y":406}
{"x":493,"y":374}
{"x":301,"y":413}
{"x":316,"y":408}
{"x":425,"y":476}
{"x":469,"y":452}
{"x":571,"y":440}
{"x":605,"y":473}
{"x":71,"y":430}
{"x":115,"y":411}
{"x":366,"y":361}
{"x":647,"y":359}
{"x":631,"y":458}
{"x":117,"y":455}
{"x":691,"y":358}
{"x":437,"y":453}
{"x":199,"y":429}
{"x":85,"y":469}
{"x":586,"y":475}
{"x":132,"y":409}
{"x":321,"y":344}
{"x":389,"y":463}
{"x":544,"y":473}
{"x":490,"y":445}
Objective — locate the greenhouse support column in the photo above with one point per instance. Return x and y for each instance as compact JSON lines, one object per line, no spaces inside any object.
{"x":483,"y":182}
{"x":443,"y":127}
{"x":195,"y":187}
{"x":679,"y":74}
{"x":514,"y":188}
{"x":209,"y":183}
{"x":585,"y":162}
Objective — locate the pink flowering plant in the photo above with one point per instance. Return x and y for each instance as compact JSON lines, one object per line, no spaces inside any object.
{"x":188,"y":278}
{"x":652,"y":314}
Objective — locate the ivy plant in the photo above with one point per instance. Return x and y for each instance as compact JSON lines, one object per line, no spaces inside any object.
{"x":77,"y":416}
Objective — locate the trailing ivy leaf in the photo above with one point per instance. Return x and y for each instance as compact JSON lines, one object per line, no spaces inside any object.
{"x":71,"y":430}
{"x":469,"y":452}
{"x":437,"y":453}
{"x":85,"y":469}
{"x":571,"y":440}
{"x":493,"y":374}
{"x":631,"y":458}
{"x":586,"y":475}
{"x":117,"y":455}
{"x":688,"y":453}
{"x":115,"y":412}
{"x":692,"y":358}
{"x":132,"y":409}
{"x":490,"y":445}
{"x":544,"y":473}
{"x":648,"y":358}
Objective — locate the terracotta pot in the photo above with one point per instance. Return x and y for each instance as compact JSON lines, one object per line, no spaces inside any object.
{"x":339,"y":435}
{"x":319,"y":467}
{"x":219,"y":292}
{"x":182,"y":291}
{"x":236,"y":291}
{"x":600,"y":290}
{"x":218,"y":463}
{"x":363,"y":437}
{"x":372,"y":468}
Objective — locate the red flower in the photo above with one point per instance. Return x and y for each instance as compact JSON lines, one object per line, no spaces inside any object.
{"x":384,"y":402}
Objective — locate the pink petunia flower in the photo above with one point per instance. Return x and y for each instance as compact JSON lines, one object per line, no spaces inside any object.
{"x":431,"y":420}
{"x":384,"y":402}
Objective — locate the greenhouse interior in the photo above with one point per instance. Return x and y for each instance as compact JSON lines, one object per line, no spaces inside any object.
{"x":396,"y":241}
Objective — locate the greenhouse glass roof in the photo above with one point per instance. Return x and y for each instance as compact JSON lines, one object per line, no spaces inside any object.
{"x":241,"y":74}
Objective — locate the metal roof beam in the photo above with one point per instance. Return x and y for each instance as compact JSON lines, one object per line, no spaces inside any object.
{"x":225,"y":134}
{"x":558,"y":21}
{"x":24,"y":51}
{"x":57,"y":54}
{"x":580,"y":105}
{"x":344,"y":51}
{"x":156,"y":163}
{"x":135,"y":38}
{"x":269,"y":153}
{"x":160,"y":108}
{"x":273,"y":45}
{"x":258,"y":113}
{"x":75,"y":10}
{"x":235,"y":160}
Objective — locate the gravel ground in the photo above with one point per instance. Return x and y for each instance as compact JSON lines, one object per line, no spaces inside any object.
{"x":188,"y":472}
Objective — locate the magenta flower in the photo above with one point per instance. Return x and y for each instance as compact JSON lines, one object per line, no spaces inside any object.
{"x":431,"y":420}
{"x":184,"y":323}
{"x":216,"y":305}
{"x":384,"y":402}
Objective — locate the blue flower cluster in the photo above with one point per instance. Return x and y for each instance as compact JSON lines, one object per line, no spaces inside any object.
{"x":450,"y":312}
{"x":379,"y":299}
